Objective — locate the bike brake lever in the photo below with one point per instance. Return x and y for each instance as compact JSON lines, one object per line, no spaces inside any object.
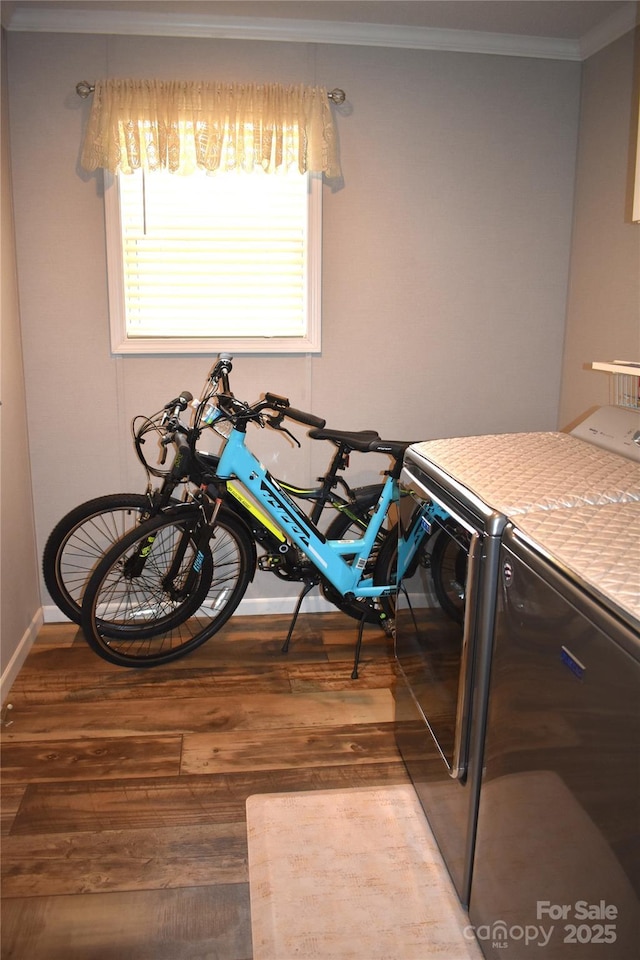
{"x":289,"y":434}
{"x":276,"y":423}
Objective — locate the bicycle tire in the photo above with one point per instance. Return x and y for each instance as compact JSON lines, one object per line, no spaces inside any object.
{"x":79,"y":541}
{"x":351,"y":525}
{"x":449,"y":559}
{"x":152,"y":640}
{"x":385,"y":572}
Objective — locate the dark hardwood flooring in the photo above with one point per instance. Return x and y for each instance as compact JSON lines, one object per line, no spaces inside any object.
{"x":123,"y":791}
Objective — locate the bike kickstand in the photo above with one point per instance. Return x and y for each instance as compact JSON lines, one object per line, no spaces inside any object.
{"x":356,"y":659}
{"x":307,"y":589}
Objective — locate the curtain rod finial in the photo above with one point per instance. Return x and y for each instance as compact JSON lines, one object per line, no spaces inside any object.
{"x":337,"y":96}
{"x":84,"y":89}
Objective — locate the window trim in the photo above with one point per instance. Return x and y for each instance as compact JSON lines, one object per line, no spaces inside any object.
{"x":123,"y":344}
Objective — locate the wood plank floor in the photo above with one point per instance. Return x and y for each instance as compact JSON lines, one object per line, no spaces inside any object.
{"x":124,"y":791}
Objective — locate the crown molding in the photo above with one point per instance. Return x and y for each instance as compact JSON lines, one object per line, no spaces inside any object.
{"x":25,"y":19}
{"x":614,"y":27}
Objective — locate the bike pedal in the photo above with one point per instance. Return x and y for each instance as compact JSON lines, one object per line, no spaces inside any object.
{"x":389,"y":627}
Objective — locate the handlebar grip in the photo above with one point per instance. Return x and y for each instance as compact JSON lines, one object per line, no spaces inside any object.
{"x":180,"y":403}
{"x":222,"y":368}
{"x":301,"y":417}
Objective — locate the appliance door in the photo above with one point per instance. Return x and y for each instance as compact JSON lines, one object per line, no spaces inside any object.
{"x":439,"y":695}
{"x":557,"y":861}
{"x":432,"y":649}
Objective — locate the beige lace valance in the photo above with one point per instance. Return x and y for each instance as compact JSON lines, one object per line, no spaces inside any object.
{"x":181,"y":126}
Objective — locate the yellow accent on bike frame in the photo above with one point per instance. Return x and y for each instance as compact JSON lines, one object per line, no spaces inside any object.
{"x":297,"y":491}
{"x":253,"y":509}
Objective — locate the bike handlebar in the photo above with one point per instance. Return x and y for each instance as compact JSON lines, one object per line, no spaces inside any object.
{"x":240,"y":413}
{"x":221,"y":370}
{"x":303,"y":417}
{"x":180,"y":404}
{"x":281,"y":404}
{"x":165,"y":426}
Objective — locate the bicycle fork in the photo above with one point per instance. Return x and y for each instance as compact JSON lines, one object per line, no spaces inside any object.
{"x":204,"y":531}
{"x":135,"y":564}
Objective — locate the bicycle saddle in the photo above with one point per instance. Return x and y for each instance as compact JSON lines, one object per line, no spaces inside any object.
{"x":394,"y":447}
{"x":354,"y":439}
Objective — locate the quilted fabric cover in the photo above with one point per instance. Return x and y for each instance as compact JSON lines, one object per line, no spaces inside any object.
{"x":516,"y":473}
{"x":599,"y":545}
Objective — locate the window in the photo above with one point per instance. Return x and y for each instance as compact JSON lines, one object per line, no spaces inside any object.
{"x":203,"y":263}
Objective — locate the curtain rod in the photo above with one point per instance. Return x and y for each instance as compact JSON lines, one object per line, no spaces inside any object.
{"x":84,"y":89}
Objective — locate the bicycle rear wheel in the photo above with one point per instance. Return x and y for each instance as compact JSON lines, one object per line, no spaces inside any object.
{"x":386,"y":572}
{"x":143,"y":620}
{"x":79,"y":541}
{"x":350,"y":524}
{"x":449,"y":559}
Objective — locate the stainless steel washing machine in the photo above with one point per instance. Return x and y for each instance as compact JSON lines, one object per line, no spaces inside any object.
{"x":442,"y":692}
{"x":557,"y":859}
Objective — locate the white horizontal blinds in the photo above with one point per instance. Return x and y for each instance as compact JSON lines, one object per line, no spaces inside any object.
{"x":222,"y":255}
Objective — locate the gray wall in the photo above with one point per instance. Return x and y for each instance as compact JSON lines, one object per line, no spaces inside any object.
{"x":603,"y":315}
{"x":21,"y":614}
{"x":446,"y":255}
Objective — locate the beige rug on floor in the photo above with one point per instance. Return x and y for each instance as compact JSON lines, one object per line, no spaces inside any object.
{"x":347,"y":874}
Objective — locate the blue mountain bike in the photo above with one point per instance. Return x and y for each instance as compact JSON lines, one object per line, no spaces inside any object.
{"x":171,"y":583}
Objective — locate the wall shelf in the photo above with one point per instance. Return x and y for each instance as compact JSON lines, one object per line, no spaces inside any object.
{"x":624,"y":388}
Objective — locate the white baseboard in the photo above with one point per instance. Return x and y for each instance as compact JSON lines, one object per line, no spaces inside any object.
{"x":53,"y":615}
{"x":257,"y":606}
{"x":262,"y":606}
{"x":11,"y":670}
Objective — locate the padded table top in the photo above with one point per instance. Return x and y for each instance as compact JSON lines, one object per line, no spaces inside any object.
{"x":516,"y":473}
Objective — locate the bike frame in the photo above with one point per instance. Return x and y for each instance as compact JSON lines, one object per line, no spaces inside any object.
{"x":316,"y":495}
{"x":329,"y":556}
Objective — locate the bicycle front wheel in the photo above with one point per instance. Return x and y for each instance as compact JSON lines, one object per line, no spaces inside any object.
{"x":146,"y":614}
{"x":79,"y":541}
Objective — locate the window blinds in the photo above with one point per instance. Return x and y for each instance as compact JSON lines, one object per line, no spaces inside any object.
{"x":215,"y":256}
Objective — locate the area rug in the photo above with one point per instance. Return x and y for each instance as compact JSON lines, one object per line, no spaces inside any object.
{"x":342,"y":874}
